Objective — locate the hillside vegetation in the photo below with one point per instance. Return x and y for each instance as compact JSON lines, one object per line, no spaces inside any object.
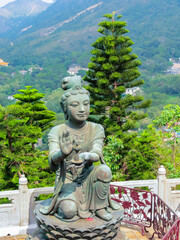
{"x":152,"y":25}
{"x":61,"y":36}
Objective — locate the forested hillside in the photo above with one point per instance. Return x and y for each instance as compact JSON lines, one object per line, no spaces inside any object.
{"x":152,"y":24}
{"x":63,"y":35}
{"x":15,"y":13}
{"x":41,"y":49}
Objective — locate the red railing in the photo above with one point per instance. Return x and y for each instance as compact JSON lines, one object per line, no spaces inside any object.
{"x":173,"y":233}
{"x":163,"y":217}
{"x":146,"y":209}
{"x":137,"y":205}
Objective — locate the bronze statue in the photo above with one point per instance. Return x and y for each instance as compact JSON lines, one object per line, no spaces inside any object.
{"x":81,"y":189}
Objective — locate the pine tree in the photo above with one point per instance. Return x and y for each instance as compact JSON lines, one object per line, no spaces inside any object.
{"x":112,"y":71}
{"x":30,"y":99}
{"x":21,"y":125}
{"x":16,"y":140}
{"x":17,"y":153}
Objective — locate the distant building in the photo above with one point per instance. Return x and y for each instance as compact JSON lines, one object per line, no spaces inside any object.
{"x":10,"y":97}
{"x":33,"y":68}
{"x":2,"y":63}
{"x":175,"y":69}
{"x":133,"y":91}
{"x":74,"y":69}
{"x":23,"y":72}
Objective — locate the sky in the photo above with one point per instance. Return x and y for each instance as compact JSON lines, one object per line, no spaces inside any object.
{"x":4,"y":2}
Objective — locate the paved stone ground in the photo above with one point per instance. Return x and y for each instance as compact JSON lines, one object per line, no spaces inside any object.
{"x":20,"y":237}
{"x":135,"y":233}
{"x":130,"y":233}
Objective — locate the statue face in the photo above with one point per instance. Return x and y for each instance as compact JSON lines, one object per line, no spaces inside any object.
{"x":78,"y":107}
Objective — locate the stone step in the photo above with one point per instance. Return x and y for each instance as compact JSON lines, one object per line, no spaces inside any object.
{"x":128,"y":232}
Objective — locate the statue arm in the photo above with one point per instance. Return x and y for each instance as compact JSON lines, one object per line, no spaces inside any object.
{"x":55,"y":153}
{"x":88,"y":156}
{"x":58,"y":157}
{"x":60,"y":146}
{"x":96,"y":151}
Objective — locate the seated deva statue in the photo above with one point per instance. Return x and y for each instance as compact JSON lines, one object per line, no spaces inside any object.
{"x":81,"y":189}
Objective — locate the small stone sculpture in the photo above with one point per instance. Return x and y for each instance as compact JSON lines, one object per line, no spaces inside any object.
{"x":81,"y":189}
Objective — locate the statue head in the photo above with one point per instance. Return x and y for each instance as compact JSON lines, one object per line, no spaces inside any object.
{"x":75,"y":101}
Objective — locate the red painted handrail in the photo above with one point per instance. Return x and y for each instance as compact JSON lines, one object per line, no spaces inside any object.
{"x":146,"y":209}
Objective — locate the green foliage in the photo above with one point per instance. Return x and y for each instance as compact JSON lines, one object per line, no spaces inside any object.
{"x":15,"y":129}
{"x":163,"y":152}
{"x":37,"y":112}
{"x":21,"y":125}
{"x":52,"y":100}
{"x":161,"y":86}
{"x":163,"y":89}
{"x":171,"y":171}
{"x":141,"y":162}
{"x":148,"y":152}
{"x":113,"y":69}
{"x":16,"y":140}
{"x":142,"y":159}
{"x":46,"y":80}
{"x":34,"y":164}
{"x":154,"y":43}
{"x":112,"y":157}
{"x":5,"y":201}
{"x":170,"y":119}
{"x":38,"y":171}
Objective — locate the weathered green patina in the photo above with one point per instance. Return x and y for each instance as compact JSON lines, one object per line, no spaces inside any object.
{"x":81,"y":190}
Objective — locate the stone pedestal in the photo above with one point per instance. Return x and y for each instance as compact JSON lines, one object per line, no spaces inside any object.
{"x":51,"y":227}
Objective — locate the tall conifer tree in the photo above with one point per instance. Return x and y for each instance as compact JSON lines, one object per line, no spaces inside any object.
{"x":21,"y":125}
{"x":38,"y":114}
{"x":16,"y":140}
{"x":113,"y":70}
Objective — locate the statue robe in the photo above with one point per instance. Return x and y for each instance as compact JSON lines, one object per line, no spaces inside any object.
{"x":78,"y":184}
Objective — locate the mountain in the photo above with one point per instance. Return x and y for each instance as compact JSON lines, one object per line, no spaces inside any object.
{"x":21,"y":8}
{"x":15,"y":13}
{"x":60,"y":11}
{"x":6,"y":24}
{"x":68,"y":28}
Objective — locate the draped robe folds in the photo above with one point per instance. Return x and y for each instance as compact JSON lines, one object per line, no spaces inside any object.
{"x":79,"y":185}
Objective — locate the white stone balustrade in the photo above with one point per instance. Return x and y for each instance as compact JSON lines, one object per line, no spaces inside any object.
{"x":17,"y":217}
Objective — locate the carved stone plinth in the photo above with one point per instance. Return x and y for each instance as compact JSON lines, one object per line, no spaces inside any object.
{"x":50,"y":227}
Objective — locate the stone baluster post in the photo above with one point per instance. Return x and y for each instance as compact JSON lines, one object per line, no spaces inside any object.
{"x":24,"y":201}
{"x":162,"y":183}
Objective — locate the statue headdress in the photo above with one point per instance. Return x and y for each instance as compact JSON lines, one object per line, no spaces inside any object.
{"x":72,"y":86}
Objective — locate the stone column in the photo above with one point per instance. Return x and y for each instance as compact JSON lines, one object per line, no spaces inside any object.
{"x":24,"y":201}
{"x":162,"y":183}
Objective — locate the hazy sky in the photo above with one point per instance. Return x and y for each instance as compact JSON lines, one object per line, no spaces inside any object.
{"x":4,"y":2}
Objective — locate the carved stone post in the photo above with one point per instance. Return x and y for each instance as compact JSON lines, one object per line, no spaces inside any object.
{"x":162,"y":183}
{"x":24,"y":201}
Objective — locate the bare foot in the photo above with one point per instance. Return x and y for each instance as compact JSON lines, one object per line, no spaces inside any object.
{"x":103,"y":214}
{"x":115,"y":205}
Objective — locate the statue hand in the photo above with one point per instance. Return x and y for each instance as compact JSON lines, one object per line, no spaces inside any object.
{"x":88,"y":156}
{"x":85,"y":156}
{"x":66,"y":143}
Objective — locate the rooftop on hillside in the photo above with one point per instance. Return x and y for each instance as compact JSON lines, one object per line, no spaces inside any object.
{"x":2,"y":63}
